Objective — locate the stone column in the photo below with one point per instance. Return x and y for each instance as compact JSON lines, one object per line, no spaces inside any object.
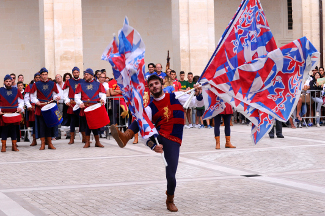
{"x":61,"y":35}
{"x":196,"y":43}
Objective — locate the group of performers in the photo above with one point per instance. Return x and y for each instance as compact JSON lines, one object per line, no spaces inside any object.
{"x":77,"y":93}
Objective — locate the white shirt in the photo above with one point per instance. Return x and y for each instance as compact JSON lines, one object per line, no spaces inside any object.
{"x":105,"y":84}
{"x":60,"y":91}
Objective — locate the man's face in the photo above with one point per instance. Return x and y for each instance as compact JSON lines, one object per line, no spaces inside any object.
{"x":155,"y":88}
{"x":104,"y":72}
{"x":76,"y":74}
{"x":173,"y":76}
{"x":158,"y":68}
{"x":314,"y":71}
{"x":190,"y":77}
{"x":44,"y":76}
{"x":98,"y":74}
{"x":37,"y":78}
{"x":88,"y":77}
{"x":102,"y":78}
{"x":13,"y":79}
{"x":20,"y":86}
{"x":58,"y":78}
{"x":20,"y":79}
{"x":151,"y":68}
{"x":182,"y":77}
{"x":8,"y":83}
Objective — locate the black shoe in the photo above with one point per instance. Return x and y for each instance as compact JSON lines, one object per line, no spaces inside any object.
{"x":271,"y":136}
{"x":280,"y":136}
{"x":57,"y":138}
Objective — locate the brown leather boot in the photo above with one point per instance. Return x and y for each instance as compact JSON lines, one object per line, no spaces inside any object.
{"x":136,"y":138}
{"x":4,"y":142}
{"x":42,"y":143}
{"x":71,"y":138}
{"x":217,"y":142}
{"x":83,"y":137}
{"x":14,"y":145}
{"x":34,"y":141}
{"x":49,"y":142}
{"x":231,"y":123}
{"x":170,"y":203}
{"x":87,"y":142}
{"x":228,"y":144}
{"x":97,"y":143}
{"x":120,"y":137}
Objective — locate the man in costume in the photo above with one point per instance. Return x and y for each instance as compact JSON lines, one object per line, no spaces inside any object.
{"x":167,"y":113}
{"x":69,"y":89}
{"x":11,"y":100}
{"x":31,"y":107}
{"x":41,"y":93}
{"x":88,"y":93}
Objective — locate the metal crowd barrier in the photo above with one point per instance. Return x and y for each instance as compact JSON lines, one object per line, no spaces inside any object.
{"x":310,"y":103}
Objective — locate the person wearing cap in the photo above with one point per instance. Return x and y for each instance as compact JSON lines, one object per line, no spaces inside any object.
{"x":11,"y":100}
{"x":43,"y":92}
{"x":31,"y":107}
{"x":69,"y":90}
{"x":89,"y":93}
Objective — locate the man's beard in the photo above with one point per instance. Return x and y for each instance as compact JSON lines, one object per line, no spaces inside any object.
{"x":76,"y":77}
{"x":158,"y":94}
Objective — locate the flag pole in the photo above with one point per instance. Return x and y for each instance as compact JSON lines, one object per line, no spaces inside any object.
{"x":165,"y":162}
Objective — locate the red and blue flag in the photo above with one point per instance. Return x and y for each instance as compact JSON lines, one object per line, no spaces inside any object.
{"x":127,"y":59}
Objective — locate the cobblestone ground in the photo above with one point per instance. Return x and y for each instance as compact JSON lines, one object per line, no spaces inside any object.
{"x":131,"y":181}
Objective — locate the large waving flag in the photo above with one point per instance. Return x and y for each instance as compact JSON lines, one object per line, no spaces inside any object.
{"x":127,"y":59}
{"x":247,"y":37}
{"x":271,"y":84}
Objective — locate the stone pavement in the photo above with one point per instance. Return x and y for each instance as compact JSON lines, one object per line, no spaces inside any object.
{"x":131,"y":181}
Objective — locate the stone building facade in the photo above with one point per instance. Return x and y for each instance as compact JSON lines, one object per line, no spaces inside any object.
{"x":61,"y":34}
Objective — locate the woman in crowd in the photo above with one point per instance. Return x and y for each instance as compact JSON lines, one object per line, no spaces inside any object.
{"x":67,"y":76}
{"x":315,"y":95}
{"x":226,"y":115}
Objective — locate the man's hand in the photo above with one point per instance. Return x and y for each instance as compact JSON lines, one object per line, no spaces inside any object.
{"x":38,"y":103}
{"x":1,"y":113}
{"x":29,"y":108}
{"x":57,"y":98}
{"x":102,"y":101}
{"x":159,"y":149}
{"x":198,"y":88}
{"x":82,"y":105}
{"x":68,"y":104}
{"x":18,"y":109}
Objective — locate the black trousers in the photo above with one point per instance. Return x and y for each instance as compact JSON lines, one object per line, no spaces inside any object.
{"x":171,"y":154}
{"x":278,"y":128}
{"x":74,"y":119}
{"x":84,"y":127}
{"x":9,"y":130}
{"x":44,"y":131}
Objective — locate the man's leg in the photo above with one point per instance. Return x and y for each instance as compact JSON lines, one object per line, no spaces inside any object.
{"x":171,"y":153}
{"x":72,"y":127}
{"x":122,"y":138}
{"x":41,"y":132}
{"x":4,"y":136}
{"x":189,"y":119}
{"x":279,"y":129}
{"x":13,"y":133}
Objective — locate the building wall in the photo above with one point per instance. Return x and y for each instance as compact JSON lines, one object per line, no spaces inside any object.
{"x":275,"y":11}
{"x":102,"y":18}
{"x":19,"y":38}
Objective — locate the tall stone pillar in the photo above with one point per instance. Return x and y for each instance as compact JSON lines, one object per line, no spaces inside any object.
{"x":61,"y":35}
{"x":193,"y":25}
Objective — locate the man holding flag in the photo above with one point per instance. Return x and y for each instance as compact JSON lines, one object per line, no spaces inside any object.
{"x":167,"y":113}
{"x":127,"y":60}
